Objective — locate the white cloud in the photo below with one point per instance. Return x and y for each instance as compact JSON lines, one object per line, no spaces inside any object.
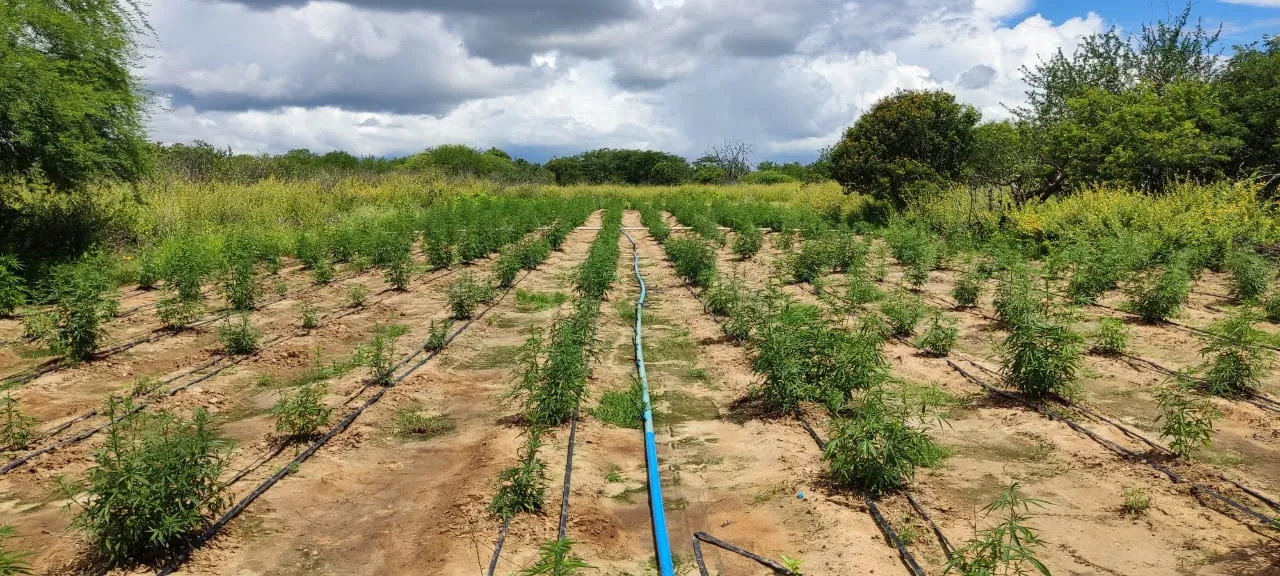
{"x":1258,"y":3}
{"x":786,"y":76}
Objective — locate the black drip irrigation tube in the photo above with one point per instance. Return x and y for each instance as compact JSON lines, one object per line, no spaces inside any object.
{"x":564,"y":500}
{"x":52,"y":447}
{"x":563,"y":527}
{"x":1120,"y":450}
{"x":700,"y":537}
{"x":240,"y":506}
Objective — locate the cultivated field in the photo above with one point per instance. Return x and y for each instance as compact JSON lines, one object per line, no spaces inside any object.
{"x":406,"y":389}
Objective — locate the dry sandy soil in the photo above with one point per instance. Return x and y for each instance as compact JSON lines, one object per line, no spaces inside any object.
{"x":375,"y":502}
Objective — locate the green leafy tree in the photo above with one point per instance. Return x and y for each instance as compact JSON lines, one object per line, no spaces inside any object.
{"x":1249,"y":89}
{"x":70,"y":106}
{"x":1144,"y":137}
{"x":907,"y":142}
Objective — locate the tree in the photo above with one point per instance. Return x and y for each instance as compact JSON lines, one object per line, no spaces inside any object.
{"x":707,"y":171}
{"x":1142,"y":137}
{"x":1108,"y":68}
{"x":611,"y":166}
{"x":1249,"y":89}
{"x":732,"y":157}
{"x":70,"y":107}
{"x":907,"y":142}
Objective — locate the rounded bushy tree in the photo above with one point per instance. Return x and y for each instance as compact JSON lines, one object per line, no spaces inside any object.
{"x":908,"y":141}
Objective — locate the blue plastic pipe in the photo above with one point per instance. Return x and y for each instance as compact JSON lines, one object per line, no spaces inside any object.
{"x":661,"y":545}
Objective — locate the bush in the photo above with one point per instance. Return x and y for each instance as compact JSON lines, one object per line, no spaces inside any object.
{"x":15,"y":427}
{"x":240,"y":286}
{"x":438,"y":335}
{"x":439,"y":250}
{"x":1099,"y":268}
{"x":694,"y":259}
{"x":1271,"y":307}
{"x":1017,"y":300}
{"x":239,"y":336}
{"x":398,"y":270}
{"x":803,"y":359}
{"x":1158,"y":295}
{"x":522,"y":488}
{"x":968,"y":288}
{"x":875,"y":450}
{"x":310,"y":318}
{"x":848,"y":254}
{"x":149,"y":271}
{"x":1186,"y":419}
{"x":301,"y":414}
{"x":177,"y":313}
{"x":1239,"y":362}
{"x":940,"y":336}
{"x":379,"y":355}
{"x":1111,"y":338}
{"x":12,"y":290}
{"x":814,"y":261}
{"x":82,"y":300}
{"x":186,"y":263}
{"x":534,"y":252}
{"x":1009,"y":547}
{"x":724,"y":295}
{"x":554,"y":372}
{"x":239,"y":283}
{"x":467,"y":293}
{"x":1250,"y":273}
{"x":506,"y":269}
{"x":747,"y":242}
{"x":1136,"y":502}
{"x":1041,"y":357}
{"x":859,"y":291}
{"x":356,"y":295}
{"x":903,"y":311}
{"x":555,"y":558}
{"x":154,"y":481}
{"x":323,"y":272}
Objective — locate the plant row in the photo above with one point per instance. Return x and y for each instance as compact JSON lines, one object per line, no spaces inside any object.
{"x":553,"y":371}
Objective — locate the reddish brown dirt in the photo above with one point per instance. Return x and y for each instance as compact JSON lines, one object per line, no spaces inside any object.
{"x":372,"y":502}
{"x":380,"y":504}
{"x":996,"y":442}
{"x":236,"y":395}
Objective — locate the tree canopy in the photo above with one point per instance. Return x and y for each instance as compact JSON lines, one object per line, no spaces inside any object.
{"x":912,"y":139}
{"x":71,"y":110}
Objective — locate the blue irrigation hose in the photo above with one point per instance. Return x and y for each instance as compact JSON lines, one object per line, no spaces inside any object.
{"x":666,"y":567}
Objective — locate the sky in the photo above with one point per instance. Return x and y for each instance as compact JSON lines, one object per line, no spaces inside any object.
{"x":544,"y":78}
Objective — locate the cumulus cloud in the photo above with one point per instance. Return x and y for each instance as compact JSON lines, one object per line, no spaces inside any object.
{"x":394,"y":76}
